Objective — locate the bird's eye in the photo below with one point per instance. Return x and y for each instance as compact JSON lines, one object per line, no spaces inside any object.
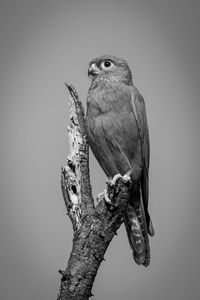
{"x":107,"y":64}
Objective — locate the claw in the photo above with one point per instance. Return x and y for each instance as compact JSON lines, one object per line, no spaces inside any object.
{"x":115,"y":178}
{"x":107,"y":199}
{"x":126,"y":177}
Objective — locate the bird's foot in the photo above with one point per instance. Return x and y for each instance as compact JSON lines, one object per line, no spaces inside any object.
{"x":114,"y":180}
{"x":108,"y":200}
{"x":114,"y":193}
{"x":125,"y":178}
{"x":105,"y":196}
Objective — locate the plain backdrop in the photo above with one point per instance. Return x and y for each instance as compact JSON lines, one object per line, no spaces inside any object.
{"x":44,"y":43}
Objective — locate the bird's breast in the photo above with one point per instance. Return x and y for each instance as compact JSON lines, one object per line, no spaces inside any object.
{"x":109,"y":110}
{"x":106,"y":98}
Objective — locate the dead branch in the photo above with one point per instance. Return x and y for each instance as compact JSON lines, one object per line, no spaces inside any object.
{"x":94,"y":227}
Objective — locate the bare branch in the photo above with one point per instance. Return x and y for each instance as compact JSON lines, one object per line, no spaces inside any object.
{"x":75,"y":175}
{"x":94,"y":227}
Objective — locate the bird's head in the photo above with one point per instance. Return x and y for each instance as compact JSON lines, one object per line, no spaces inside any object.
{"x":110,"y":67}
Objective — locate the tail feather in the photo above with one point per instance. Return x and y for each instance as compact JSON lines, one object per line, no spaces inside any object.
{"x":143,"y":224}
{"x":145,"y":196}
{"x":136,"y":227}
{"x":134,"y":231}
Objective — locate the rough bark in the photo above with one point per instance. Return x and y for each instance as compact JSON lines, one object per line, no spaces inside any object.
{"x":94,"y":227}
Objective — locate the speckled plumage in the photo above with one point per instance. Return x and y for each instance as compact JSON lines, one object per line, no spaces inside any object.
{"x":118,"y":136}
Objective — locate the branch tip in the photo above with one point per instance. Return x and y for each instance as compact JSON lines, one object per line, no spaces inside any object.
{"x":72,"y":91}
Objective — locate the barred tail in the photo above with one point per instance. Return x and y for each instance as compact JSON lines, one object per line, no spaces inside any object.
{"x":136,"y":227}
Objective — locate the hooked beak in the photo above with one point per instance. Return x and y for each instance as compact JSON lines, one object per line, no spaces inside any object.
{"x":93,"y":70}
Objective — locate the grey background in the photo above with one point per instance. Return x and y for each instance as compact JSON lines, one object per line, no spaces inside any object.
{"x":44,"y":43}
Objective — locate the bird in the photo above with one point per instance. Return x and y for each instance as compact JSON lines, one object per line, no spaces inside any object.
{"x":118,"y":135}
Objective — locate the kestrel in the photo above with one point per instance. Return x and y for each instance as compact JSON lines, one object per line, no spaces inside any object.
{"x":118,"y":135}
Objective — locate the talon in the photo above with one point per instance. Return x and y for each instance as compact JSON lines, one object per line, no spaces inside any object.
{"x":126,"y":177}
{"x":115,"y":178}
{"x":107,"y":199}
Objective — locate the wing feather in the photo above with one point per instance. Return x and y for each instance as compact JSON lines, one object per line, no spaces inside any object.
{"x":139,"y":110}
